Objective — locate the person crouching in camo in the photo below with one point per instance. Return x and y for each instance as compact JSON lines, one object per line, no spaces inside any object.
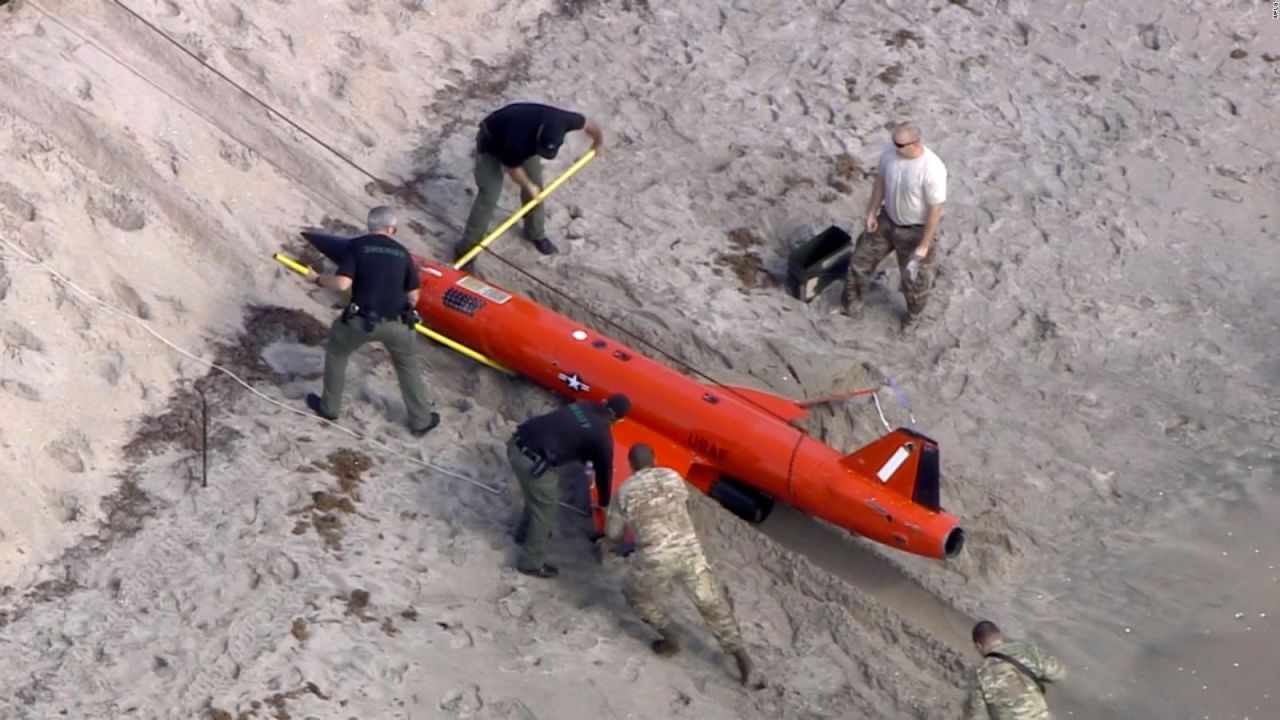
{"x":1009,"y":684}
{"x":653,"y":503}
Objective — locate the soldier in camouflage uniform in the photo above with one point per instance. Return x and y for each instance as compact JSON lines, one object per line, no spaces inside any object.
{"x":653,"y":503}
{"x":1008,"y":685}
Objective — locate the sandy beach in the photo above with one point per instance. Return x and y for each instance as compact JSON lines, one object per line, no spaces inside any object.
{"x":1099,"y":362}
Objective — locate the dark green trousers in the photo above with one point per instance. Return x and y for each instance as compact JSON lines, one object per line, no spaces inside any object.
{"x":400,"y":342}
{"x":541,"y":495}
{"x":489,"y":179}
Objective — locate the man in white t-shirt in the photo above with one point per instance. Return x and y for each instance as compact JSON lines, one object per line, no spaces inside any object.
{"x":902,"y":218}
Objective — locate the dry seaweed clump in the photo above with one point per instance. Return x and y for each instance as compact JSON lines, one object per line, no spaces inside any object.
{"x":900,"y":38}
{"x":846,"y":171}
{"x":327,"y":508}
{"x":299,"y":629}
{"x":892,"y":74}
{"x":274,"y":704}
{"x":264,"y":324}
{"x":573,"y":8}
{"x":181,"y":423}
{"x":743,"y":259}
{"x":347,"y":466}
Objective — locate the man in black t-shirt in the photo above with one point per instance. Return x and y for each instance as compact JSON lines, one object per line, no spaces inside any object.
{"x":512,"y":141}
{"x":384,"y":292}
{"x":578,"y":432}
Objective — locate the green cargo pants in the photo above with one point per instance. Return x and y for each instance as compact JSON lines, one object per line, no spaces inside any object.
{"x":538,"y":519}
{"x":399,"y":340}
{"x":489,"y":179}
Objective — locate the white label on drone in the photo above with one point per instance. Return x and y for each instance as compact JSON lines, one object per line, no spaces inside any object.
{"x":895,"y":461}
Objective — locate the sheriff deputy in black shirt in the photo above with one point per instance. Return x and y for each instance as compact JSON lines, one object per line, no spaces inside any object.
{"x":578,"y":432}
{"x":511,"y":140}
{"x":384,"y":292}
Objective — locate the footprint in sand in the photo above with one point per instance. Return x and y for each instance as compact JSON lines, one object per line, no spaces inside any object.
{"x":508,"y":709}
{"x":459,"y":637}
{"x":236,"y":155}
{"x":112,"y":369}
{"x":130,"y":298}
{"x":337,"y":85}
{"x":462,"y":702}
{"x":351,"y":45}
{"x":283,"y":568}
{"x":244,"y":63}
{"x":228,"y":14}
{"x":523,"y":664}
{"x":515,"y":603}
{"x":20,"y":389}
{"x":121,"y":210}
{"x":71,"y":451}
{"x":71,"y":509}
{"x":17,"y":338}
{"x":11,"y":199}
{"x":1023,"y":31}
{"x":631,"y":671}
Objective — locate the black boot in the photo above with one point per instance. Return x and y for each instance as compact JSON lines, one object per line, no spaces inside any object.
{"x":546,"y":571}
{"x":666,"y":643}
{"x":317,"y":406}
{"x":431,"y":424}
{"x":746,"y":671}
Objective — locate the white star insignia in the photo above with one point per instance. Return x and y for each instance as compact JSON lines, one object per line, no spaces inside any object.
{"x":575,"y":383}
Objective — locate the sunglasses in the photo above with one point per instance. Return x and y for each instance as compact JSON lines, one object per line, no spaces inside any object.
{"x":902,"y":145}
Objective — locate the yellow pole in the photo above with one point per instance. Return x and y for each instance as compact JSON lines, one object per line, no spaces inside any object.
{"x":475,"y":250}
{"x":301,"y":269}
{"x":292,"y":264}
{"x":459,"y":347}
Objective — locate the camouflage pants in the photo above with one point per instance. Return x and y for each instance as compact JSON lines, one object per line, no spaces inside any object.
{"x":646,"y":583}
{"x":872,"y":248}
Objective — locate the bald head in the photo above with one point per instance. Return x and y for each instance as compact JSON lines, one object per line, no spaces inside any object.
{"x":382,"y":219}
{"x":906,"y":139}
{"x":906,"y":133}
